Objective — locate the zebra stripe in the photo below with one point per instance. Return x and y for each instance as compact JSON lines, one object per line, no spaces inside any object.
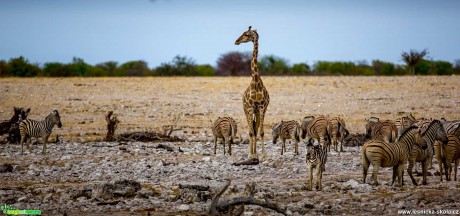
{"x":447,"y":154}
{"x":385,"y":131}
{"x":380,"y":154}
{"x":451,"y":127}
{"x":403,"y":123}
{"x":287,"y":130}
{"x":423,"y":123}
{"x":32,"y":128}
{"x":316,"y":158}
{"x":338,"y":131}
{"x":434,"y":132}
{"x":225,"y":128}
{"x":316,"y":128}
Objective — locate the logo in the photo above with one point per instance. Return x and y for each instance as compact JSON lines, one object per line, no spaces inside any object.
{"x":11,"y":210}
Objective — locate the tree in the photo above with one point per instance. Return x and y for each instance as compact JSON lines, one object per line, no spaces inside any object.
{"x":234,"y":64}
{"x":300,"y":69}
{"x":21,"y":67}
{"x":3,"y":68}
{"x":413,"y":58}
{"x":133,"y":68}
{"x":109,"y":67}
{"x":204,"y":70}
{"x":180,"y":66}
{"x":273,"y":65}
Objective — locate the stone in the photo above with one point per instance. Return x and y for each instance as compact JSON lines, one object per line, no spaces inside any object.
{"x":183,"y":207}
{"x":4,"y":168}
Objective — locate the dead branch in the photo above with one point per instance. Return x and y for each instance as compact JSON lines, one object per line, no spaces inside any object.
{"x":194,"y":187}
{"x":227,"y":207}
{"x":112,"y":123}
{"x":147,"y":137}
{"x":252,"y":161}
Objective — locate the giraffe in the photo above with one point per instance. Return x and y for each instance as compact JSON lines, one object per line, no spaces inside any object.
{"x":255,"y":98}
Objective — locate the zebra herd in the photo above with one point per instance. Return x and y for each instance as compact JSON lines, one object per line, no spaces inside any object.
{"x":406,"y":140}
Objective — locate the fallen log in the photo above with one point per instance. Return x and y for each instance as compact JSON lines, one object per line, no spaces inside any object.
{"x":252,"y":161}
{"x":112,"y":123}
{"x":228,"y":206}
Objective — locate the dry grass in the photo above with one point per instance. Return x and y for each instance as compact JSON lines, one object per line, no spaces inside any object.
{"x":191,"y":103}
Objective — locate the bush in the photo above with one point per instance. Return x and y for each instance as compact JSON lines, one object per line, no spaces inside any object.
{"x":234,"y":64}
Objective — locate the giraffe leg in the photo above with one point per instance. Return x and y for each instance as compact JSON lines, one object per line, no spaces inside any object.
{"x":261,"y":127}
{"x":249,"y":119}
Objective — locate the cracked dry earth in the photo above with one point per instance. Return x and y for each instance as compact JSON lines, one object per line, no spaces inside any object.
{"x":84,"y":176}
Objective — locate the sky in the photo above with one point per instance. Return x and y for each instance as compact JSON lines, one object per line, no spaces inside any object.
{"x":300,"y":31}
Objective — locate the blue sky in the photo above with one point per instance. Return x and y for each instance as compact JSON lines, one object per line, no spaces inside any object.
{"x":156,"y":31}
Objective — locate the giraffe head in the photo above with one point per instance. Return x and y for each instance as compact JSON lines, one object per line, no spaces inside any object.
{"x":247,"y":36}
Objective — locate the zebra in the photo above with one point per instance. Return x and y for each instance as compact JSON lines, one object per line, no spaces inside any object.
{"x":338,"y":131}
{"x":30,"y":128}
{"x":316,"y":158}
{"x":380,"y":154}
{"x":452,"y":154}
{"x":446,"y":154}
{"x":316,"y":128}
{"x":423,"y":123}
{"x":385,"y":131}
{"x":404,"y":123}
{"x":451,"y":127}
{"x":225,"y":128}
{"x":434,"y":132}
{"x":287,"y":130}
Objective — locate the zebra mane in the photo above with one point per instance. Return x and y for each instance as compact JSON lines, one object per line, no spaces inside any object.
{"x":408,"y":130}
{"x":431,"y":125}
{"x":56,"y":112}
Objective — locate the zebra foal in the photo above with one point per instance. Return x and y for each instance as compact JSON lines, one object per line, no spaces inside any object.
{"x":225,"y":128}
{"x":316,"y":158}
{"x":285,"y":130}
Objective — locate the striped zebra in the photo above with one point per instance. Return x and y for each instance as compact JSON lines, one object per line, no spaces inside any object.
{"x":447,"y":154}
{"x":316,"y":128}
{"x":316,"y":158}
{"x":451,"y":127}
{"x":30,"y":128}
{"x":225,"y":128}
{"x":380,"y":154}
{"x":434,"y":132}
{"x":405,"y":122}
{"x":287,"y":130}
{"x":423,"y":123}
{"x":385,"y":131}
{"x":338,"y":131}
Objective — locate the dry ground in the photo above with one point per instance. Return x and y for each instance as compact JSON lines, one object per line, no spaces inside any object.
{"x":145,"y":104}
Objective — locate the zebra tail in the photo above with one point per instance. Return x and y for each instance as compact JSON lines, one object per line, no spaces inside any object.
{"x":443,"y":157}
{"x":296,"y":134}
{"x":232,"y":129}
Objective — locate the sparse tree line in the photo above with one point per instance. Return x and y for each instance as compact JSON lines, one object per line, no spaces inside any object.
{"x":231,"y":64}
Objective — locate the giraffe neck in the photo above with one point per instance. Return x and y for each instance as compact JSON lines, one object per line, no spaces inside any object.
{"x":254,"y":69}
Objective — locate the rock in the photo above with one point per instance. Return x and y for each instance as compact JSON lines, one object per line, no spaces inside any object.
{"x":183,"y":207}
{"x":206,"y":159}
{"x":248,"y":213}
{"x":120,"y":188}
{"x":23,"y":199}
{"x":4,"y":168}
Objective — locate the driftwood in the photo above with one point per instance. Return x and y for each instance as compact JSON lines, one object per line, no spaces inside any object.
{"x":11,"y":126}
{"x":355,"y":140}
{"x":148,"y":137}
{"x":228,"y":207}
{"x":252,"y":161}
{"x":112,"y":123}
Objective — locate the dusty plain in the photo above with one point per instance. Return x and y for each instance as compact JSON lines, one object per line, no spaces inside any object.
{"x":65,"y":180}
